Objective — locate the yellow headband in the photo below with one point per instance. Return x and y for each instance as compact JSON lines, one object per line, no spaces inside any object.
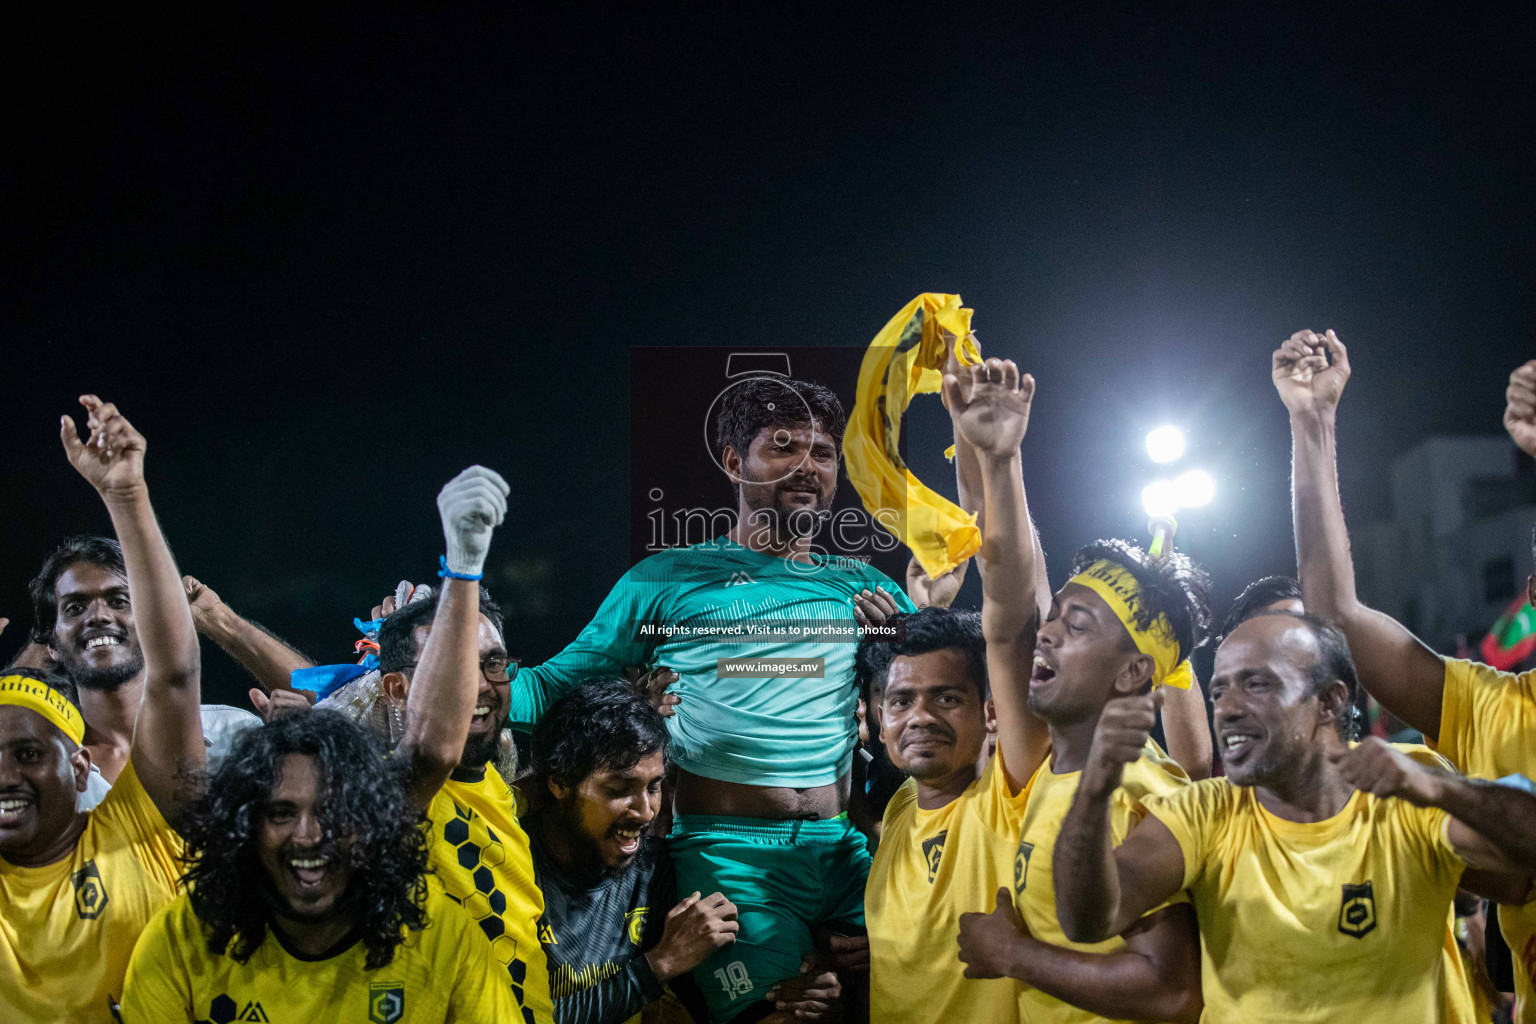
{"x":34,"y":695}
{"x":1122,"y":593}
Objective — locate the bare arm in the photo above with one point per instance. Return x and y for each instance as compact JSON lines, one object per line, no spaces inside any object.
{"x":1309,"y":371}
{"x":1187,"y":729}
{"x":968,"y":478}
{"x":168,"y":734}
{"x":447,"y":676}
{"x":991,"y":411}
{"x":263,"y":655}
{"x":1155,"y":977}
{"x":1102,"y":890}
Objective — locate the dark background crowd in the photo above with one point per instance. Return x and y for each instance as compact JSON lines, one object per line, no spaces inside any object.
{"x":323,"y":252}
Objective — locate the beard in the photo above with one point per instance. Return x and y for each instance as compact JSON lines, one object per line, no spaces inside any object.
{"x":103,"y":680}
{"x":783,"y":520}
{"x":586,"y":851}
{"x":479,"y":750}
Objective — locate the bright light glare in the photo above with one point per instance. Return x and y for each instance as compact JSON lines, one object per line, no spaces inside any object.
{"x":1160,"y":498}
{"x":1194,"y":488}
{"x":1165,"y":444}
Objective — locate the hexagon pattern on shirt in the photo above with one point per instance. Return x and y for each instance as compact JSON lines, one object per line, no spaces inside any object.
{"x":478,"y":849}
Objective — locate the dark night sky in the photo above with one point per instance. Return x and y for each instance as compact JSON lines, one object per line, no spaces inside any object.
{"x":325,"y":259}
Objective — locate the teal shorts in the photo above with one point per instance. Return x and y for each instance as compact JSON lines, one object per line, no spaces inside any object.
{"x":787,"y":878}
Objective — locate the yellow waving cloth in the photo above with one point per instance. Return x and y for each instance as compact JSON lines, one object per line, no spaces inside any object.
{"x":37,"y":696}
{"x":905,"y":359}
{"x":1122,"y":593}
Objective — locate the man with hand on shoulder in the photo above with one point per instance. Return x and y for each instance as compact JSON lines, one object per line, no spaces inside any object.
{"x":611,"y":932}
{"x":1479,"y":718}
{"x":1320,"y":874}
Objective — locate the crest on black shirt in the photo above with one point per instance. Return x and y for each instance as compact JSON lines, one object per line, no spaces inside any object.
{"x":933,"y":853}
{"x":1021,"y":865}
{"x":90,"y":894}
{"x":634,"y":924}
{"x":1357,"y":913}
{"x":386,"y":1002}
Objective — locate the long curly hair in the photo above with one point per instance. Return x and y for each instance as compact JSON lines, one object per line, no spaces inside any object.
{"x":363,"y":798}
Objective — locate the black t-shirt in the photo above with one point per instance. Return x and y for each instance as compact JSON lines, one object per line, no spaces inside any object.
{"x":595,"y":937}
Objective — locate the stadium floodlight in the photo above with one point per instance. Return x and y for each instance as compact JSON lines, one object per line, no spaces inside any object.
{"x":1165,"y":444}
{"x":1194,"y":488}
{"x":1160,"y":499}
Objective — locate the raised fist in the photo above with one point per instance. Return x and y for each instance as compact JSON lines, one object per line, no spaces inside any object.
{"x":1309,"y":371}
{"x":203,"y":601}
{"x":112,"y":459}
{"x":1378,"y":768}
{"x":472,"y":504}
{"x":1520,"y":407}
{"x":1123,"y":728}
{"x":934,"y":593}
{"x":990,"y":404}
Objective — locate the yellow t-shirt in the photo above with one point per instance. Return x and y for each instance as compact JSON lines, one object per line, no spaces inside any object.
{"x":1460,"y":1002}
{"x":441,"y":973}
{"x":1488,"y":730}
{"x":1049,"y":796}
{"x":479,"y":856}
{"x":67,"y":929}
{"x":1342,"y":920}
{"x":931,"y":867}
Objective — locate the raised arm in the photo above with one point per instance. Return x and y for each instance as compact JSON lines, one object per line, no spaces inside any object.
{"x":990,"y":407}
{"x":1493,"y":825}
{"x":271,"y":661}
{"x":168,"y":734}
{"x":1310,"y":370}
{"x":1155,"y":976}
{"x":446,"y":682}
{"x":1187,"y":729}
{"x":1102,"y":890}
{"x":1520,"y":407}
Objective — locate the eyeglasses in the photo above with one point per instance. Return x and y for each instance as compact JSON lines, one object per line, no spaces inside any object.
{"x":497,"y":669}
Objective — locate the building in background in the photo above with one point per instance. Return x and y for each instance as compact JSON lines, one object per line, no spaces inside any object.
{"x":1457,"y":549}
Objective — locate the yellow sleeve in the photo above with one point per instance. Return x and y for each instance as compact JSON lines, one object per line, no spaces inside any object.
{"x":1431,"y":827}
{"x":1000,"y":810}
{"x":157,"y":988}
{"x":128,"y":810}
{"x":1485,"y":715}
{"x":1191,"y":814}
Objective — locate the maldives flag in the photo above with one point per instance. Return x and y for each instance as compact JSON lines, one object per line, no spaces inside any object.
{"x":1513,"y":637}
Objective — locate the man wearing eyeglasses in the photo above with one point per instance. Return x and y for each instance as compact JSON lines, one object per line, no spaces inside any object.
{"x":479,"y":851}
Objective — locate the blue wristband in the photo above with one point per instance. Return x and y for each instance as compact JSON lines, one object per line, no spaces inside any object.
{"x":448,"y":573}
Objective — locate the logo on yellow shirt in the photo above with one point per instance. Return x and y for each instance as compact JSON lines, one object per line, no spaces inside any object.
{"x":634,"y":923}
{"x":224,"y":1010}
{"x":386,"y":1002}
{"x":90,"y":894}
{"x":1357,"y":913}
{"x":1021,"y":865}
{"x":933,"y":853}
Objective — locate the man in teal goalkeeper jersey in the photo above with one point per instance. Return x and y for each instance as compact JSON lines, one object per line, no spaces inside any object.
{"x":763,"y":762}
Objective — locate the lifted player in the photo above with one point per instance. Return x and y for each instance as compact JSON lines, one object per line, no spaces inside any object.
{"x":763,"y":780}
